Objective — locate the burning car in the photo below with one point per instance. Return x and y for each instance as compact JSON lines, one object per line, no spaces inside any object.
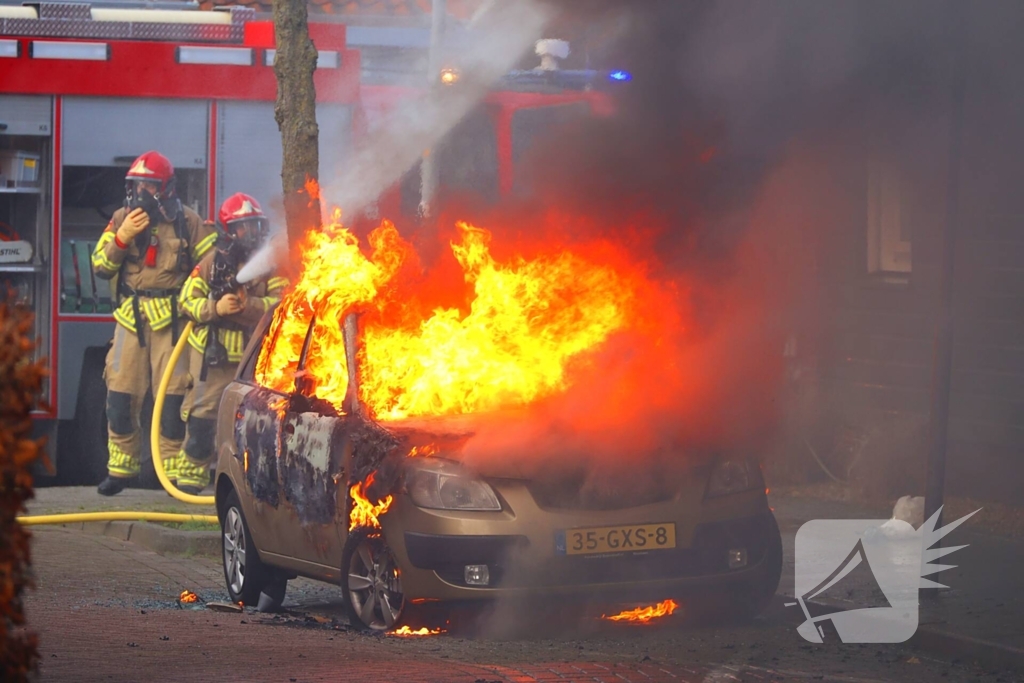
{"x":319,"y":476}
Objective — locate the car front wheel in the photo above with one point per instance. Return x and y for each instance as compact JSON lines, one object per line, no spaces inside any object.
{"x":372,"y":581}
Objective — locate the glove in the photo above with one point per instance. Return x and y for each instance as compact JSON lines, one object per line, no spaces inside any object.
{"x":228,"y":305}
{"x":134,"y":223}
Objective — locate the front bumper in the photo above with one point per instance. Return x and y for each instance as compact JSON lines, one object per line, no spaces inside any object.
{"x":523,"y":560}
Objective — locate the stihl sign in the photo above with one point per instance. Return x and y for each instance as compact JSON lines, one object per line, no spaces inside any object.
{"x":15,"y":252}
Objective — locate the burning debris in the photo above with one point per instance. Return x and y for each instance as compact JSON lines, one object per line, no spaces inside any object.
{"x":406,"y":632}
{"x":644,"y":615}
{"x":187,"y":597}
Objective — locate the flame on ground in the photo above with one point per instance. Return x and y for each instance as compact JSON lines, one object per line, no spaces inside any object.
{"x":187,"y":597}
{"x":643,"y":615}
{"x":365,"y":513}
{"x":405,"y":631}
{"x":525,"y":321}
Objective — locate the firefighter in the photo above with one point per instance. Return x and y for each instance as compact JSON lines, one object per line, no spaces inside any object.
{"x":149,"y":246}
{"x":225,"y":313}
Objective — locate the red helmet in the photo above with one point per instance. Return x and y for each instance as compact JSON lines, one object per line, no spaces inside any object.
{"x":155,"y":168}
{"x":241,"y":219}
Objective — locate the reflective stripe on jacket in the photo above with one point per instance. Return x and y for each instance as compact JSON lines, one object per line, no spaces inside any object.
{"x":110,"y":260}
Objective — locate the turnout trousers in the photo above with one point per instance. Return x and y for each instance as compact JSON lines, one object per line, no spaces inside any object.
{"x":131,"y":370}
{"x":200,"y":415}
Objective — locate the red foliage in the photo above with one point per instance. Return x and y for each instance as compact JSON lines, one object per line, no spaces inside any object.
{"x":21,"y":380}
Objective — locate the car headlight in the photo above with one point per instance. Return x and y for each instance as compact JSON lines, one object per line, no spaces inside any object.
{"x":442,"y":485}
{"x":734,"y":476}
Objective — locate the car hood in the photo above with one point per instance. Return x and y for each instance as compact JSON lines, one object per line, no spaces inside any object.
{"x":558,"y":479}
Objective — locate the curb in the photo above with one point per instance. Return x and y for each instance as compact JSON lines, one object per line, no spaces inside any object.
{"x":957,"y":646}
{"x":155,"y":537}
{"x":944,"y":644}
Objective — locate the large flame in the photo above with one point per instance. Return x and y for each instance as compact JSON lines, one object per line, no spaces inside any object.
{"x":511,"y":342}
{"x":335,"y":278}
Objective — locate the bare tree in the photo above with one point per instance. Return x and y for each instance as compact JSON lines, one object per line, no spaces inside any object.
{"x":295,"y":112}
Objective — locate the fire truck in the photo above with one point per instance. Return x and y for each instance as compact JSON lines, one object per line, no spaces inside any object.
{"x":87,"y":88}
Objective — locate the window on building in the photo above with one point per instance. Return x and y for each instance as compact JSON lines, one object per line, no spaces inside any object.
{"x":888,"y":221}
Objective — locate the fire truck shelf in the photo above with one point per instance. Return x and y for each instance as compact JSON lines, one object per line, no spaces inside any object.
{"x":20,"y":190}
{"x":20,"y":268}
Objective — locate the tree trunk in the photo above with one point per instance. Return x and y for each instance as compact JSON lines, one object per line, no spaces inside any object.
{"x":295,"y":113}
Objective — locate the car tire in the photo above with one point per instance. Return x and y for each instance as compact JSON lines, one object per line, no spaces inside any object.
{"x":371,"y":582}
{"x":245,"y":574}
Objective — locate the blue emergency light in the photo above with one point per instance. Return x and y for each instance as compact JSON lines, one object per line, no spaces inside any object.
{"x":620,"y":76}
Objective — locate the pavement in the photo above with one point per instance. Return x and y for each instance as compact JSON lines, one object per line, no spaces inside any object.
{"x":106,"y":610}
{"x":977,"y":618}
{"x":979,"y":615}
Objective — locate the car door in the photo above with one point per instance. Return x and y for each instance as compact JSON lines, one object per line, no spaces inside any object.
{"x":292,"y":458}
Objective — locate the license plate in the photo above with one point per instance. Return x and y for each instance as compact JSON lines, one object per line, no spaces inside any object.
{"x":616,"y":539}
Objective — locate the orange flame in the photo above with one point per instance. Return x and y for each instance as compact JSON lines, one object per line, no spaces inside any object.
{"x":187,"y":597}
{"x":312,"y":188}
{"x":406,"y":632}
{"x":643,"y":615}
{"x":424,"y":451}
{"x":335,"y":278}
{"x":512,"y":342}
{"x":365,"y":513}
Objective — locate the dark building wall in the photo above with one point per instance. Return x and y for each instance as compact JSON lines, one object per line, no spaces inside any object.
{"x":879,"y":331}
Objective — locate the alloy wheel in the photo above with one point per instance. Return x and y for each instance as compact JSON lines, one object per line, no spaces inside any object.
{"x":375,"y":585}
{"x":234,"y":551}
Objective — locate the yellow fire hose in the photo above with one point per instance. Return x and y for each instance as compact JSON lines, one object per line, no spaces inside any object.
{"x":154,"y":429}
{"x":115,"y":516}
{"x":158,"y":465}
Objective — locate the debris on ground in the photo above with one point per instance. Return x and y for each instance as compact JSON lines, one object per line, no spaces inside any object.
{"x":224,"y":606}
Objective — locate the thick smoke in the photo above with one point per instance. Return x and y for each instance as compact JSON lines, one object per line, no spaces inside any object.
{"x":719,"y":167}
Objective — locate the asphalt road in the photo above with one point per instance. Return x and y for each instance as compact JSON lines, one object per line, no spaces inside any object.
{"x":106,"y":610}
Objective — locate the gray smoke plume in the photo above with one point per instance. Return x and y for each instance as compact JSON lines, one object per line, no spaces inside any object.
{"x":501,"y":33}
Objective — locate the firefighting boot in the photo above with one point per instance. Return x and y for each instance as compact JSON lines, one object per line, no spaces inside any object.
{"x":111,"y":486}
{"x":192,"y":476}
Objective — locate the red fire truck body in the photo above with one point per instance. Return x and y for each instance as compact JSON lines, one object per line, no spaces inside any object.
{"x":85,"y":90}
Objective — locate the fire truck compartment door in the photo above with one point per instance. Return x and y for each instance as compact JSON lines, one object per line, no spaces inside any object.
{"x":110,"y":131}
{"x":24,"y":115}
{"x":249,"y":147}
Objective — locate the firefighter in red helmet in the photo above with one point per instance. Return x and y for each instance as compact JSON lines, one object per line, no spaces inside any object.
{"x":149,"y":246}
{"x":225,"y":313}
